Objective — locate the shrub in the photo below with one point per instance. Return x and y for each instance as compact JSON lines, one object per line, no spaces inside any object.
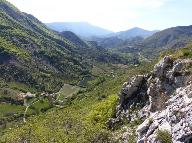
{"x":102,"y":111}
{"x":185,"y":52}
{"x":164,"y":136}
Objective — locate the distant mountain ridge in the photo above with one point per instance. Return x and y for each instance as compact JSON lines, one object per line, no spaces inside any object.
{"x":169,"y":39}
{"x":88,"y":31}
{"x":124,"y":38}
{"x":134,"y":32}
{"x":82,"y":29}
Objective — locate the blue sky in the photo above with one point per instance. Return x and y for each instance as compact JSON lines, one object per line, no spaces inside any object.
{"x":115,"y":15}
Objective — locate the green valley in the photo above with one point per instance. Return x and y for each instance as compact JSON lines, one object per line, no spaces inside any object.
{"x":86,"y":84}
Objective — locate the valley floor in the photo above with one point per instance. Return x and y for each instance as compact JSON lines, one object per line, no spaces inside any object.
{"x":84,"y":115}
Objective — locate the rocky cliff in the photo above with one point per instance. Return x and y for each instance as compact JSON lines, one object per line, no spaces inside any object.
{"x":162,"y":100}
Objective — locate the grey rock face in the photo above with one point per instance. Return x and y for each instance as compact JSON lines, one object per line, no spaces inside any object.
{"x":130,"y":88}
{"x":168,"y":76}
{"x":132,"y":93}
{"x":176,"y":119}
{"x":166,"y":96}
{"x":161,"y":68}
{"x":170,"y":92}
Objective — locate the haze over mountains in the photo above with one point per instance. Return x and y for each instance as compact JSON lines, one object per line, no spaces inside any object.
{"x":82,"y":29}
{"x":134,"y":32}
{"x":86,"y":30}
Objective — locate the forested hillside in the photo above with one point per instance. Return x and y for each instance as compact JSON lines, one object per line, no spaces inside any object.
{"x":35,"y":59}
{"x":175,"y":37}
{"x":32,"y":54}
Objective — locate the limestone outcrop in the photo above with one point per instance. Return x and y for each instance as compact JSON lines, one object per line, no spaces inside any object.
{"x":164,"y":98}
{"x":176,"y":118}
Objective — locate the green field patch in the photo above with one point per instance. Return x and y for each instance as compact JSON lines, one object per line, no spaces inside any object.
{"x":9,"y":93}
{"x":68,"y":91}
{"x":40,"y":106}
{"x":10,"y":110}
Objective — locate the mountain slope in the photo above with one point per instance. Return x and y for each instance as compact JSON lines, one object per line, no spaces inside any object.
{"x":174,"y":37}
{"x":82,"y":29}
{"x":32,"y":54}
{"x":92,"y":51}
{"x":73,"y":38}
{"x":33,"y":51}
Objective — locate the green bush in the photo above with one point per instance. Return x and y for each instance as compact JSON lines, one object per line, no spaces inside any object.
{"x":185,"y":52}
{"x":164,"y":136}
{"x":101,"y":112}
